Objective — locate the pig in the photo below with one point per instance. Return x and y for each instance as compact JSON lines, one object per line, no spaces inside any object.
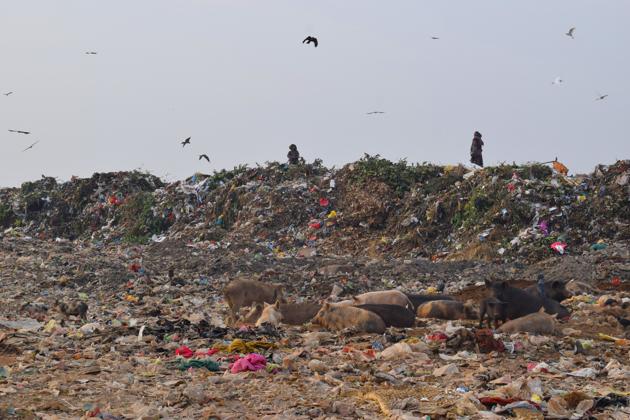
{"x":495,"y":310}
{"x":340,"y":317}
{"x":534,"y":323}
{"x":517,"y":301}
{"x":392,"y":315}
{"x":419,"y":299}
{"x":253,"y":314}
{"x":446,"y":309}
{"x":242,"y":292}
{"x":555,"y":290}
{"x":75,"y":308}
{"x":288,"y":313}
{"x":384,"y":297}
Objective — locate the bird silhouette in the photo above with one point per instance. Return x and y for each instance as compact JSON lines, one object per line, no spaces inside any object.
{"x":557,"y":81}
{"x":91,"y":52}
{"x":374,"y":112}
{"x":204,"y":156}
{"x":20,"y":131}
{"x":310,"y":39}
{"x":8,"y":93}
{"x":435,"y":37}
{"x":601,"y":97}
{"x":440,"y":286}
{"x":570,"y":33}
{"x":185,"y":142}
{"x":31,"y":146}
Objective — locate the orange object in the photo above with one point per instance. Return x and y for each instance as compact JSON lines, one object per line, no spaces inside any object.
{"x":559,"y":167}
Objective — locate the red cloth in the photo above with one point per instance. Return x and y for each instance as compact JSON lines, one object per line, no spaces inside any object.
{"x":184,"y":352}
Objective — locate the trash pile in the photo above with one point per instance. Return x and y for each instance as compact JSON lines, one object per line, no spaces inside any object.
{"x":115,"y":301}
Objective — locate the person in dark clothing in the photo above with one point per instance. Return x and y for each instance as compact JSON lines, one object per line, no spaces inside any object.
{"x":476,"y":149}
{"x":293,"y":155}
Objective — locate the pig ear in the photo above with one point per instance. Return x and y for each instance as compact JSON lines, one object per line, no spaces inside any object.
{"x":265,"y":305}
{"x":542,"y":310}
{"x":555,"y":316}
{"x":326,"y":305}
{"x":277,"y":304}
{"x":355,"y":299}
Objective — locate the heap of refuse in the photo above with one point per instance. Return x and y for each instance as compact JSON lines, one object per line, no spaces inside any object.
{"x":374,"y":206}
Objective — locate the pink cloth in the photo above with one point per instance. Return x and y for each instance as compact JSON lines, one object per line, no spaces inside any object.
{"x":251,"y":362}
{"x":559,"y":247}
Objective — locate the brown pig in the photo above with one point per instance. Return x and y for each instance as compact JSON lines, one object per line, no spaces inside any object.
{"x":340,"y":317}
{"x":536,"y":323}
{"x":495,"y":309}
{"x":446,"y":309}
{"x":75,"y":308}
{"x":384,"y":297}
{"x":242,"y":292}
{"x":251,"y":316}
{"x":288,"y":313}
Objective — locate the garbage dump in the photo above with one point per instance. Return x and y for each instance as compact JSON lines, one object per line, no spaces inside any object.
{"x":115,"y":302}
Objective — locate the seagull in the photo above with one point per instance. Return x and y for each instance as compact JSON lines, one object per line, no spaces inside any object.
{"x":557,"y":81}
{"x":570,"y":33}
{"x":204,"y":156}
{"x":310,"y":39}
{"x":185,"y":142}
{"x":20,"y":131}
{"x":601,"y":97}
{"x":435,"y":37}
{"x":91,"y":52}
{"x":374,"y":112}
{"x":31,"y":146}
{"x":8,"y":93}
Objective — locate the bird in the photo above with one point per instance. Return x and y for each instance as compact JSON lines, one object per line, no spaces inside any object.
{"x":31,"y":146}
{"x":20,"y":131}
{"x":310,"y":39}
{"x":557,"y":81}
{"x":540,"y":283}
{"x":185,"y":142}
{"x":435,"y":37}
{"x":374,"y":112}
{"x":601,"y":97}
{"x":440,"y":286}
{"x":8,"y":93}
{"x":91,"y":52}
{"x":570,"y":33}
{"x":623,"y":321}
{"x":204,"y":156}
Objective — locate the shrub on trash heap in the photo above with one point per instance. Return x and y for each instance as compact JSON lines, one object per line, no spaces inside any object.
{"x":6,"y":216}
{"x":140,"y":218}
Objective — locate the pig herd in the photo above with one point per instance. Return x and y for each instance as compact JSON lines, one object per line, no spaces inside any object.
{"x":533,"y":309}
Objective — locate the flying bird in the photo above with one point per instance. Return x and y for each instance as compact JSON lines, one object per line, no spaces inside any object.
{"x":601,"y":97}
{"x":31,"y":146}
{"x":310,"y":39}
{"x":435,"y":37}
{"x":374,"y":112}
{"x":204,"y":156}
{"x":91,"y":52}
{"x":557,"y":81}
{"x":20,"y":131}
{"x":185,"y":142}
{"x":570,"y":33}
{"x":8,"y":93}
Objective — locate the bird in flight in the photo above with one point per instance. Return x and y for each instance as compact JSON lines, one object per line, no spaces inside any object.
{"x":8,"y":93}
{"x":185,"y":142}
{"x":310,"y":39}
{"x":570,"y":33}
{"x":20,"y":131}
{"x":374,"y":112}
{"x":204,"y":156}
{"x":31,"y":146}
{"x":435,"y":37}
{"x":91,"y":52}
{"x":557,"y":81}
{"x":601,"y":97}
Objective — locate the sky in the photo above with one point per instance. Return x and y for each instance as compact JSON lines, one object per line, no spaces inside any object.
{"x":235,"y":76}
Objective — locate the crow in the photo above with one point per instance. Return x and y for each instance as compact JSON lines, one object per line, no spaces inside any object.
{"x":310,"y":39}
{"x":185,"y":142}
{"x":374,"y":112}
{"x":204,"y":156}
{"x":435,"y":37}
{"x":570,"y":33}
{"x":601,"y":97}
{"x":8,"y":93}
{"x":20,"y":131}
{"x":31,"y":146}
{"x":91,"y":52}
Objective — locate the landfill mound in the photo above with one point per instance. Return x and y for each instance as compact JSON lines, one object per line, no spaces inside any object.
{"x":372,"y":206}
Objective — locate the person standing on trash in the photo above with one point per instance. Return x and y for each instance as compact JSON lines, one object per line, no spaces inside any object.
{"x":476,"y":149}
{"x":293,"y":155}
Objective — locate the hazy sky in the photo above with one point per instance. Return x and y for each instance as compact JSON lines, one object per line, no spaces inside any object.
{"x":236,"y":77}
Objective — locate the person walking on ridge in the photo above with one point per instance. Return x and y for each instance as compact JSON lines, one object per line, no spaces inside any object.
{"x":476,"y":150}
